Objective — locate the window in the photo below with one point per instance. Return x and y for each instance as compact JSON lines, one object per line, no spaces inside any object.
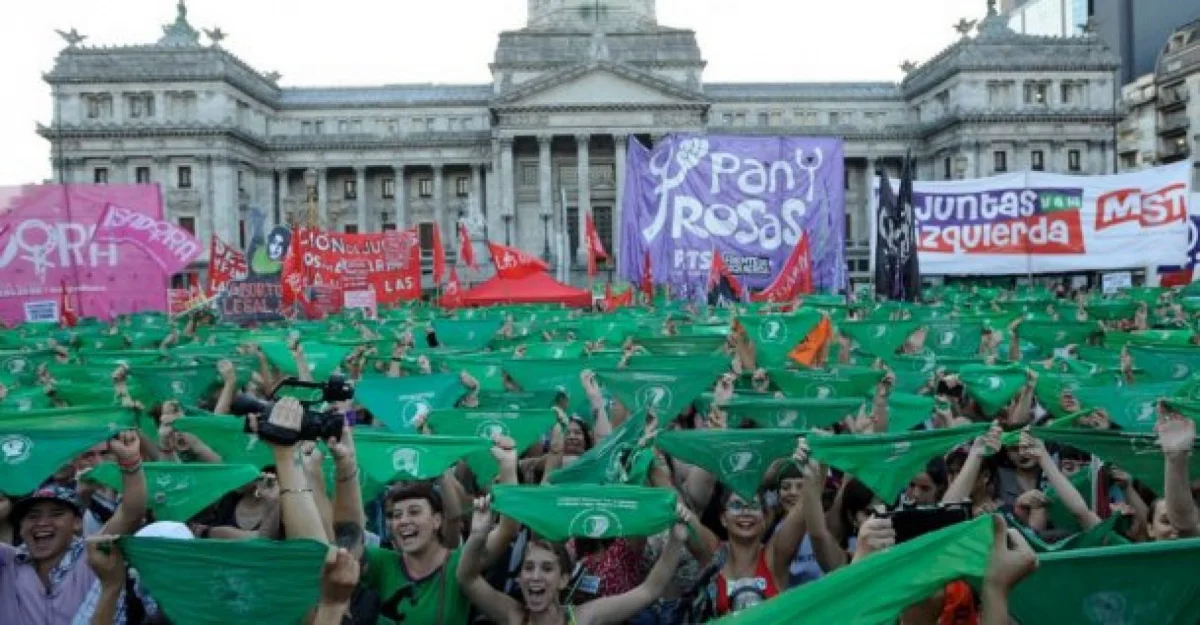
{"x":100,"y":175}
{"x":343,"y":127}
{"x":389,"y":227}
{"x":764,"y":119}
{"x":425,"y":235}
{"x":849,"y":227}
{"x":468,"y":123}
{"x":1037,"y":160}
{"x":740,"y":119}
{"x":1000,"y":161}
{"x":96,"y":106}
{"x":529,"y":174}
{"x":389,"y":188}
{"x":242,"y":234}
{"x":356,"y":126}
{"x":1035,"y":93}
{"x":1066,"y":91}
{"x":948,"y":165}
{"x":425,"y":187}
{"x":306,"y":128}
{"x":603,"y":217}
{"x":241,"y":181}
{"x":461,"y":186}
{"x":1074,"y":160}
{"x":727,"y":119}
{"x":452,"y":124}
{"x":429,"y":124}
{"x":142,"y":175}
{"x":183,"y":179}
{"x":350,"y":189}
{"x":141,"y":105}
{"x":350,"y":228}
{"x":835,"y":119}
{"x":318,"y":128}
{"x":776,"y":118}
{"x":188,"y":224}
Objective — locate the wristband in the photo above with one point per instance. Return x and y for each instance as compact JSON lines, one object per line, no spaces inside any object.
{"x":352,"y":476}
{"x":134,"y":468}
{"x":294,"y":491}
{"x":132,"y":463}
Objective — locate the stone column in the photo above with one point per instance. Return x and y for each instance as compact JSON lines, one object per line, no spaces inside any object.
{"x":546,"y":188}
{"x":1057,"y":163}
{"x":508,"y":200}
{"x":119,"y":172}
{"x":400,"y":197}
{"x":162,"y":174}
{"x":225,"y":200}
{"x":621,"y":143}
{"x":360,"y":193}
{"x":323,"y":199}
{"x":495,"y":204}
{"x":584,"y":183}
{"x":475,"y":204}
{"x":439,"y":200}
{"x":281,"y":195}
{"x":868,"y":198}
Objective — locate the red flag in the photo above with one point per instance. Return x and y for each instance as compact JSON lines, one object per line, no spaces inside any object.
{"x":439,"y":255}
{"x":595,"y":245}
{"x":647,"y":280}
{"x":613,"y":302}
{"x":794,"y":279}
{"x":511,"y":262}
{"x":465,"y":250}
{"x":719,"y":276}
{"x":225,"y":265}
{"x":66,"y":315}
{"x":451,"y":296}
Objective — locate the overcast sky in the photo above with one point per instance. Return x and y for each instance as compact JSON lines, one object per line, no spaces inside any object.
{"x":367,"y":42}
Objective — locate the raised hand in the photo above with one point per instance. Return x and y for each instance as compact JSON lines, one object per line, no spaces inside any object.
{"x":228,"y":373}
{"x":1012,"y":559}
{"x":1176,"y":433}
{"x":482,"y":519}
{"x":127,"y":447}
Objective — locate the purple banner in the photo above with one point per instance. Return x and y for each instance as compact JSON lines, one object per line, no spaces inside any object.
{"x":751,"y":199}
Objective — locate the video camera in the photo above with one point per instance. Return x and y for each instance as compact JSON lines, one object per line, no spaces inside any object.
{"x":316,"y":424}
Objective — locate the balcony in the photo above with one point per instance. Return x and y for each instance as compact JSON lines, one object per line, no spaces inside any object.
{"x":1175,"y":98}
{"x":1174,"y":124}
{"x":1172,"y":152}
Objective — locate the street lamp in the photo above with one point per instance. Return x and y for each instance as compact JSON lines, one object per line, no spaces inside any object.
{"x":546,"y":235}
{"x":310,"y":182}
{"x":507,"y":228}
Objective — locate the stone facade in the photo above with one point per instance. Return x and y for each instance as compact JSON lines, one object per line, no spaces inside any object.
{"x":524,"y":158}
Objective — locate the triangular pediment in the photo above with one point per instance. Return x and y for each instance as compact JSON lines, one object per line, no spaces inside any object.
{"x":598,"y":84}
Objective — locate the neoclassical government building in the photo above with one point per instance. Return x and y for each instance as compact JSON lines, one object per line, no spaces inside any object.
{"x":523,"y":157}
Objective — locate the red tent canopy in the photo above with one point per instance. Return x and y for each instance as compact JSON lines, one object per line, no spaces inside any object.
{"x":538,"y":288}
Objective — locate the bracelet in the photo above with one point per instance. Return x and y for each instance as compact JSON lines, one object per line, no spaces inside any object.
{"x":294,"y":491}
{"x":136,"y":462}
{"x":352,"y":476}
{"x":134,"y":468}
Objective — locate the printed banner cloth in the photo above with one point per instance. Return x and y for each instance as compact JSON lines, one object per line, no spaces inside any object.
{"x":557,"y":513}
{"x":750,"y":199}
{"x":172,"y":247}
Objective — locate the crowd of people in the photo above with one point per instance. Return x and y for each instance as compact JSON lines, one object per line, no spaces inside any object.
{"x":657,"y":465}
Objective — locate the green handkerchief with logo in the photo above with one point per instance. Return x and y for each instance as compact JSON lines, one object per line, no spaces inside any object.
{"x":697,"y":345}
{"x":1132,"y":408}
{"x":525,"y":427}
{"x":227,"y":437}
{"x":664,"y":392}
{"x":1137,"y":454}
{"x":1166,"y":364}
{"x":322,"y":358}
{"x":775,"y":336}
{"x":992,"y":386}
{"x":1051,"y":335}
{"x":786,"y":413}
{"x":557,"y":513}
{"x":907,"y":411}
{"x":185,"y":384}
{"x":221,"y":582}
{"x":178,"y":491}
{"x":32,"y":449}
{"x":736,"y":458}
{"x":843,"y":383}
{"x":880,"y":338}
{"x":395,"y":402}
{"x":886,"y":462}
{"x":609,"y":462}
{"x":386,"y":457}
{"x":469,"y":335}
{"x":954,"y":337}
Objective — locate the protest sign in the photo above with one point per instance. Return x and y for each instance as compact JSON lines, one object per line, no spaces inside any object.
{"x":172,"y":247}
{"x":252,"y":300}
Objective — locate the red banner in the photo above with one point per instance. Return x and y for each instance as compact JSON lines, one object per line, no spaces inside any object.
{"x":452,"y":295}
{"x":466,"y":251}
{"x":388,"y":262}
{"x":595,"y":246}
{"x":224,"y":266}
{"x":793,"y":280}
{"x":513,"y":263}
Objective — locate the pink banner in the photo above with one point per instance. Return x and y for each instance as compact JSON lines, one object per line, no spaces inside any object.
{"x":46,"y":239}
{"x":172,"y":247}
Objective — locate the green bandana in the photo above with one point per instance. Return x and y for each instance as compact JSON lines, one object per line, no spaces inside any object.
{"x":775,"y":336}
{"x":878,"y":589}
{"x":907,"y":411}
{"x":886,"y":462}
{"x":525,"y":428}
{"x":469,"y":335}
{"x":666,"y":393}
{"x":554,"y":351}
{"x":786,"y":413}
{"x":1125,"y":584}
{"x":557,"y":513}
{"x":322,"y":358}
{"x":32,"y":449}
{"x":1051,"y":335}
{"x":698,"y":345}
{"x":954,"y":338}
{"x":25,"y":400}
{"x":178,"y":491}
{"x":227,"y":437}
{"x":1166,"y":364}
{"x":846,"y":383}
{"x":1114,"y":310}
{"x":992,"y":387}
{"x":609,"y":462}
{"x":396,"y":401}
{"x":1106,"y":534}
{"x":218,"y":582}
{"x":553,"y":375}
{"x":1133,"y":408}
{"x":187,"y":385}
{"x":516,"y":400}
{"x":21,"y":366}
{"x":736,"y":458}
{"x":1136,"y":454}
{"x":385,"y":458}
{"x":880,"y":339}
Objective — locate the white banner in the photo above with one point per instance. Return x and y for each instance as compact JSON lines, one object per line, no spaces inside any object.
{"x":1035,"y":222}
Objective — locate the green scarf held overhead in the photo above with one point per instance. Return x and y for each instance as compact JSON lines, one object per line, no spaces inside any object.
{"x":466,"y":334}
{"x":913,"y":373}
{"x":1112,"y":310}
{"x":130,"y":357}
{"x":907,"y":410}
{"x":488,"y":373}
{"x":220,"y":582}
{"x":885,"y":584}
{"x":384,"y":457}
{"x":708,"y":366}
{"x":1060,"y":516}
{"x":553,"y":375}
{"x":611,"y":461}
{"x":227,"y":437}
{"x":1107,"y":534}
{"x":881,"y":338}
{"x":1051,"y":335}
{"x":396,"y":401}
{"x":736,"y":458}
{"x":612,"y":331}
{"x":1166,"y":364}
{"x":699,"y":345}
{"x":32,"y":449}
{"x":187,"y":385}
{"x":775,"y":336}
{"x":178,"y":491}
{"x":554,"y":351}
{"x":846,"y":383}
{"x":516,"y":400}
{"x":1142,"y":583}
{"x":1132,"y":408}
{"x":25,"y":400}
{"x":993,"y":387}
{"x":953,"y":337}
{"x":786,"y":413}
{"x":22,"y":366}
{"x":323,"y":358}
{"x":524,"y":427}
{"x":557,"y":513}
{"x":666,"y":393}
{"x":1137,"y":454}
{"x":886,"y":462}
{"x":1151,"y":338}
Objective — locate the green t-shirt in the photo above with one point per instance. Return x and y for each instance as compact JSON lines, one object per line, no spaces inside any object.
{"x":406,"y":600}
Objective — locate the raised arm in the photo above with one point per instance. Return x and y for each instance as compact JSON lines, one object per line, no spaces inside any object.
{"x":960,"y":489}
{"x":228,"y":387}
{"x":300,"y":514}
{"x":623,"y":607}
{"x":129,"y":514}
{"x":347,"y":496}
{"x":1066,"y":491}
{"x":1012,"y":560}
{"x":790,"y":533}
{"x":498,"y":606}
{"x":1176,"y":436}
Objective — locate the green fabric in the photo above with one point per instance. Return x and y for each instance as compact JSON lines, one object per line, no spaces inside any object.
{"x":610,"y":461}
{"x":1051,"y":335}
{"x":554,"y":351}
{"x":1060,"y":516}
{"x":21,"y":366}
{"x":553,"y":375}
{"x":524,"y":427}
{"x":219,"y":582}
{"x":846,"y":383}
{"x":666,"y":393}
{"x":1143,"y":583}
{"x":516,"y":400}
{"x":1133,"y":408}
{"x":993,"y":387}
{"x":227,"y":437}
{"x":681,"y":345}
{"x":775,"y":336}
{"x":435,"y":597}
{"x":25,"y":400}
{"x":187,"y":385}
{"x":878,"y":338}
{"x":178,"y":491}
{"x":395,"y":402}
{"x":1166,"y":364}
{"x":471,"y":335}
{"x":490,"y":375}
{"x":385,"y":457}
{"x":31,"y":450}
{"x":736,"y":458}
{"x":1051,"y":386}
{"x":788,"y":413}
{"x":907,"y":410}
{"x":1112,"y":310}
{"x":953,"y":337}
{"x":878,"y":589}
{"x":323,"y":358}
{"x":1136,"y":454}
{"x":1164,"y":338}
{"x":1106,"y":534}
{"x":557,"y":513}
{"x":886,"y":462}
